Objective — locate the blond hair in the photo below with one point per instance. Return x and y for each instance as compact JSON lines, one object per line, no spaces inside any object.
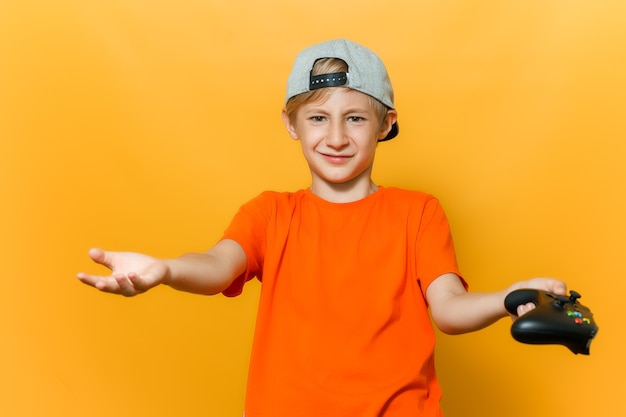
{"x":327,"y":66}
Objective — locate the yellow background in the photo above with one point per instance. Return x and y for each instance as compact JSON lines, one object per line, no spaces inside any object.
{"x":143,"y":125}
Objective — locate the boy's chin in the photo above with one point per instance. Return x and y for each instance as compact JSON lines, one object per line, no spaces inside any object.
{"x":342,"y":182}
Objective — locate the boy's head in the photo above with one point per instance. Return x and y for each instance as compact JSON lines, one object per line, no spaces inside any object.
{"x":341,"y":63}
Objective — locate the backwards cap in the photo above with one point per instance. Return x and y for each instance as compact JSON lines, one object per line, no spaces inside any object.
{"x":366,"y":73}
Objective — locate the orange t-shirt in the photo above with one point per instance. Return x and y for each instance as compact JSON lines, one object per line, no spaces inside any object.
{"x":343,"y":327}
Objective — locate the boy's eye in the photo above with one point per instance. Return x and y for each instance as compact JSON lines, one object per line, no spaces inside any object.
{"x":356,"y":118}
{"x":318,"y":118}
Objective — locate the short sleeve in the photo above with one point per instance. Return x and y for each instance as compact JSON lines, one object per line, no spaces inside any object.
{"x":249,"y":228}
{"x":435,"y":254}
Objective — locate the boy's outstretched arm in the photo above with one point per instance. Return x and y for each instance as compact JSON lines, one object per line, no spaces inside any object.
{"x":202,"y":273}
{"x":455,"y":311}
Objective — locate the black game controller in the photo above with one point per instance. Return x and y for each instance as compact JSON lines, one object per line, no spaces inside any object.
{"x":557,"y":319}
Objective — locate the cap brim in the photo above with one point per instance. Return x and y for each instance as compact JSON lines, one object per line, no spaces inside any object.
{"x":392,"y":133}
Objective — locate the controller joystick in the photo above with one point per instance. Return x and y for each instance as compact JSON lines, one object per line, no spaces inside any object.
{"x":557,"y":319}
{"x":561,"y":300}
{"x":573,"y":296}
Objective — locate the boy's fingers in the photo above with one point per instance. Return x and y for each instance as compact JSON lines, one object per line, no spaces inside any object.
{"x":524,"y":308}
{"x":88,"y":279}
{"x":100,"y":256}
{"x":138,"y":284}
{"x":104,"y":284}
{"x":559,"y":288}
{"x":126,"y":287}
{"x":84,"y":278}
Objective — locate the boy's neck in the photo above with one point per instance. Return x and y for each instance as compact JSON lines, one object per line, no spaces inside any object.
{"x":346,"y":192}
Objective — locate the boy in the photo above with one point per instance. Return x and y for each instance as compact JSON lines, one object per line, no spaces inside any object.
{"x":349,"y":269}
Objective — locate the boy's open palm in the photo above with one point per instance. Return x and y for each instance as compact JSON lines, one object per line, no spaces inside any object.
{"x":131,"y":273}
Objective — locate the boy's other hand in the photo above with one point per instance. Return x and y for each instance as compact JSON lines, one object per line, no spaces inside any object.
{"x":131,"y":273}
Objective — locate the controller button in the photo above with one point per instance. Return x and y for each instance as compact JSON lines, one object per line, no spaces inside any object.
{"x":586,"y":321}
{"x":570,"y":314}
{"x":578,"y":320}
{"x":577,"y":314}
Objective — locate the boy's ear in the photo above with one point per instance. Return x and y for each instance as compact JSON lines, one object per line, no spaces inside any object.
{"x":291,"y":129}
{"x":385,"y":127}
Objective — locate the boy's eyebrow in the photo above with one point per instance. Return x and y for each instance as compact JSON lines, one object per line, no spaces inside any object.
{"x":320,"y":106}
{"x":346,"y":111}
{"x":313,"y":109}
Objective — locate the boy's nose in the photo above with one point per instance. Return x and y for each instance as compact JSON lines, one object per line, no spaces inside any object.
{"x":337,"y":136}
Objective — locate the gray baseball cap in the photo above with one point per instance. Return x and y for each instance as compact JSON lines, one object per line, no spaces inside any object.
{"x":366,"y":73}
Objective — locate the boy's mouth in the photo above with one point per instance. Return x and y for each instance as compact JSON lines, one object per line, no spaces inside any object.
{"x":335,"y":158}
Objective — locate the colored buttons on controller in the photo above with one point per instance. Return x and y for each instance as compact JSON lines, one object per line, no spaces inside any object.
{"x":578,"y":317}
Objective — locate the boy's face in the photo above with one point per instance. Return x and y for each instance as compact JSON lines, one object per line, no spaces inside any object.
{"x":339,"y":136}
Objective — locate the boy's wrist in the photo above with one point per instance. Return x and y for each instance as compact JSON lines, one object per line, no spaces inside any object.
{"x":168,"y":276}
